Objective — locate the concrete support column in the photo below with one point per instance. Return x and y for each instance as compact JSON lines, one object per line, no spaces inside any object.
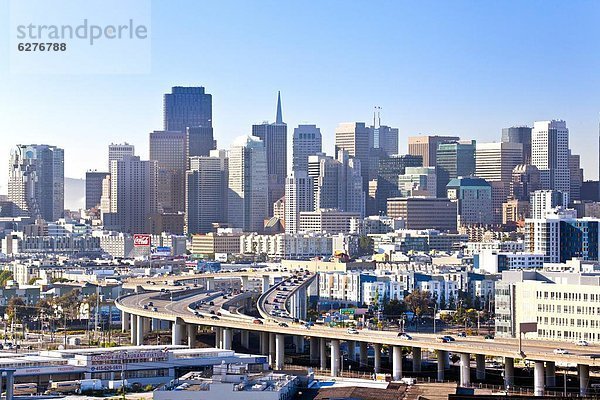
{"x":279,"y":351}
{"x":176,"y":336}
{"x":265,"y":283}
{"x":442,"y":355}
{"x":335,"y":357}
{"x":377,"y":358}
{"x":416,"y":356}
{"x":218,"y":337}
{"x":10,"y":384}
{"x":140,"y":331}
{"x":264,"y":343}
{"x":397,"y":363}
{"x":480,"y":366}
{"x":299,"y":344}
{"x":314,"y":349}
{"x":550,"y":374}
{"x":155,"y":324}
{"x":323,"y":353}
{"x":538,"y":379}
{"x":509,"y":372}
{"x":465,"y":369}
{"x":364,"y":354}
{"x":133,"y":330}
{"x":245,"y":339}
{"x":272,"y":348}
{"x":245,"y":282}
{"x":351,"y":350}
{"x":584,"y":378}
{"x":191,"y":336}
{"x":210,"y":283}
{"x":227,"y":338}
{"x":124,"y":321}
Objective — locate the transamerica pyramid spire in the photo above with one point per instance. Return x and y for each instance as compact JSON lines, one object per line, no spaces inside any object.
{"x":279,"y":117}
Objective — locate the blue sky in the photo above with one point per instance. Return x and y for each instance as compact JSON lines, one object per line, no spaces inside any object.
{"x":465,"y":68}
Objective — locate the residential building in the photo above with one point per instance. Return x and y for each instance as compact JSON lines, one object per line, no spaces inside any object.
{"x":426,"y":147}
{"x":424,"y":212}
{"x":287,"y":246}
{"x":326,"y":221}
{"x":494,"y":262}
{"x":515,"y":211}
{"x":545,"y":201}
{"x":343,"y":288}
{"x":248,"y":205}
{"x":550,"y":154}
{"x":274,"y":138}
{"x":307,"y":141}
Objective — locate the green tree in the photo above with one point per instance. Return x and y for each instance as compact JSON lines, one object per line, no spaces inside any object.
{"x":15,"y":309}
{"x":419,"y":302}
{"x":394,"y":308}
{"x":365,"y":246}
{"x":5,"y":276}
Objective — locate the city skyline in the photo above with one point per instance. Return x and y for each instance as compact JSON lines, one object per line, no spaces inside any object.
{"x":439,"y":90}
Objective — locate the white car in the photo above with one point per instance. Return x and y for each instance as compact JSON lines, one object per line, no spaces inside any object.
{"x":582,"y":343}
{"x":561,"y":351}
{"x":352,"y":331}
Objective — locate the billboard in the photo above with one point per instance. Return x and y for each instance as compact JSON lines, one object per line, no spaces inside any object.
{"x":140,"y":240}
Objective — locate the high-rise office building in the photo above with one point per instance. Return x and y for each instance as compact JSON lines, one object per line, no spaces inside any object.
{"x":550,"y":154}
{"x":337,"y":182}
{"x":454,"y":160}
{"x":525,"y":180}
{"x":424,"y":212}
{"x":36,"y":180}
{"x":307,"y":141}
{"x":187,"y":107}
{"x":575,"y":177}
{"x":474,"y":200}
{"x":248,"y":184}
{"x":354,"y":138}
{"x":205,"y":181}
{"x":118,"y":151}
{"x":418,"y":181}
{"x":495,"y":162}
{"x":200,"y":141}
{"x":426,"y":147}
{"x":390,"y":168}
{"x":298,"y":198}
{"x":169,"y":150}
{"x":133,"y":195}
{"x":93,"y":188}
{"x":274,"y":138}
{"x":385,"y":138}
{"x":519,"y":134}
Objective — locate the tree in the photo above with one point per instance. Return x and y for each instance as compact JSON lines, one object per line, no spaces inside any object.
{"x":365,"y":246}
{"x":394,"y":308}
{"x":419,"y":302}
{"x":5,"y":276}
{"x":14,"y":309}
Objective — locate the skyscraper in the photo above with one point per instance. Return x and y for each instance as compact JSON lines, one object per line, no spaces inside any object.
{"x":324,"y":171}
{"x":307,"y":141}
{"x":133,"y":195}
{"x":525,"y":180}
{"x":387,"y":177}
{"x":426,"y":147}
{"x":550,"y":154}
{"x":519,"y":134}
{"x":495,"y":162}
{"x":204,"y":194}
{"x":36,"y":180}
{"x":298,"y":198}
{"x":354,"y":138}
{"x":248,"y":184}
{"x":575,"y":176}
{"x":454,"y":160}
{"x":93,"y":188}
{"x":118,"y":151}
{"x":169,"y":150}
{"x":474,"y":200}
{"x":274,"y":137}
{"x":200,"y":141}
{"x":385,"y":138}
{"x":187,"y":107}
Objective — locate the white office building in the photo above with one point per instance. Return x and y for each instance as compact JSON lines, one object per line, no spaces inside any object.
{"x":550,"y":154}
{"x":298,"y":198}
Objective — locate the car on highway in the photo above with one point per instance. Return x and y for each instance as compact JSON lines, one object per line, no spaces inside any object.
{"x":257,"y":321}
{"x":155,"y":309}
{"x":150,"y":304}
{"x":283,"y":325}
{"x":561,"y":351}
{"x":145,"y":306}
{"x":461,"y":334}
{"x":212,"y":303}
{"x":442,"y":339}
{"x":582,"y":343}
{"x":352,"y":331}
{"x":449,"y":338}
{"x":214,"y":317}
{"x":405,"y":336}
{"x":489,"y":337}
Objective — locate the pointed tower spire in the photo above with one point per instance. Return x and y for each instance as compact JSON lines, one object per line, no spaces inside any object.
{"x":279,"y":117}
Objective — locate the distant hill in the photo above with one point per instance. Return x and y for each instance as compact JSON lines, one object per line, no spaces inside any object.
{"x":74,"y":193}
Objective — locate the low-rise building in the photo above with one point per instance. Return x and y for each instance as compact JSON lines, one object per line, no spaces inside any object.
{"x":424,"y":212}
{"x":289,"y":246}
{"x":330,"y":221}
{"x":225,"y":241}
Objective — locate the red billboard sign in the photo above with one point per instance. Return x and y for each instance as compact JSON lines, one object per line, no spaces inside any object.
{"x":140,"y":240}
